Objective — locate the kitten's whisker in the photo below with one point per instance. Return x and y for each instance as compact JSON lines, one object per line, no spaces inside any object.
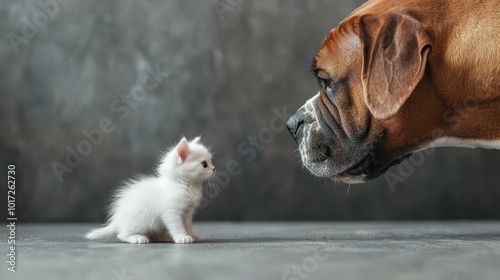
{"x":215,"y":185}
{"x":213,"y":147}
{"x":209,"y":185}
{"x":216,"y":179}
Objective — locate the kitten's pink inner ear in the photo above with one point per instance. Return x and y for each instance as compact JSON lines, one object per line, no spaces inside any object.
{"x":183,"y":150}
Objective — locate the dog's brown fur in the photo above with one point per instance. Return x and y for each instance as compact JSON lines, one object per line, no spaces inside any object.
{"x":416,"y":71}
{"x":400,"y":76}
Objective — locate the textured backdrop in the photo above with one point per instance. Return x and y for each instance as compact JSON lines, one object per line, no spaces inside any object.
{"x":92,"y":90}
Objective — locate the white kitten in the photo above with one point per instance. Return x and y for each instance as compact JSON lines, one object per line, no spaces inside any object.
{"x":156,"y":208}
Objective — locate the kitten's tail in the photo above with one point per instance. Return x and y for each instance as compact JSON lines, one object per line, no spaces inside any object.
{"x":101,"y":232}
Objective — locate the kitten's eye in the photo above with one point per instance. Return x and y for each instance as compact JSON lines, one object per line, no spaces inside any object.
{"x":204,"y":164}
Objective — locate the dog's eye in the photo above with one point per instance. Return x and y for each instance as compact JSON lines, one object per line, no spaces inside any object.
{"x":329,"y":87}
{"x":328,"y":84}
{"x":204,"y":164}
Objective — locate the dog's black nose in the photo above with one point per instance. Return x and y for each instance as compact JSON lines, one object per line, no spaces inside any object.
{"x":295,"y":122}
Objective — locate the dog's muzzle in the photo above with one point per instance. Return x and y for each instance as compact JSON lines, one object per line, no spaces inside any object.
{"x":324,"y":148}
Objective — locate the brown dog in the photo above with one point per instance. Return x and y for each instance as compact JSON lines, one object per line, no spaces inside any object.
{"x":400,"y":76}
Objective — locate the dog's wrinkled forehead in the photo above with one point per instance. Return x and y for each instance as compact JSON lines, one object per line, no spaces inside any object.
{"x":337,"y":51}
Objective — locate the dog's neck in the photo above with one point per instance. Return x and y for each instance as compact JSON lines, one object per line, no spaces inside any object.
{"x":469,"y":71}
{"x":471,"y":60}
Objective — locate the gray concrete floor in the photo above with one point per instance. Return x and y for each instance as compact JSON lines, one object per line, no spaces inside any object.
{"x":437,"y":250}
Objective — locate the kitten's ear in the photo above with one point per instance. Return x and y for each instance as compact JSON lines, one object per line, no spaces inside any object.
{"x":196,"y":140}
{"x":182,"y":149}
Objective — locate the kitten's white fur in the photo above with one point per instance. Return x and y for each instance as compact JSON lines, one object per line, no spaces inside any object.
{"x":161,"y":207}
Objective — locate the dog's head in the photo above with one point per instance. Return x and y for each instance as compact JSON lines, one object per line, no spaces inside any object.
{"x":374,"y":106}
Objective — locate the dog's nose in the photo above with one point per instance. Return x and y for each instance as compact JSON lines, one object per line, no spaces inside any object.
{"x":295,"y":122}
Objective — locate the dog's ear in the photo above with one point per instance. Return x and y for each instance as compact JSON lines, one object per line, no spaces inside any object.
{"x":395,"y":49}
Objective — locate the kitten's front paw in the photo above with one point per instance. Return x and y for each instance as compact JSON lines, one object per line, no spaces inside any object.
{"x":195,"y":238}
{"x":138,"y":239}
{"x":183,"y":240}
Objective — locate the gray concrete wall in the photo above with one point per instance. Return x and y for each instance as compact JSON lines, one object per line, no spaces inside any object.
{"x":223,"y":71}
